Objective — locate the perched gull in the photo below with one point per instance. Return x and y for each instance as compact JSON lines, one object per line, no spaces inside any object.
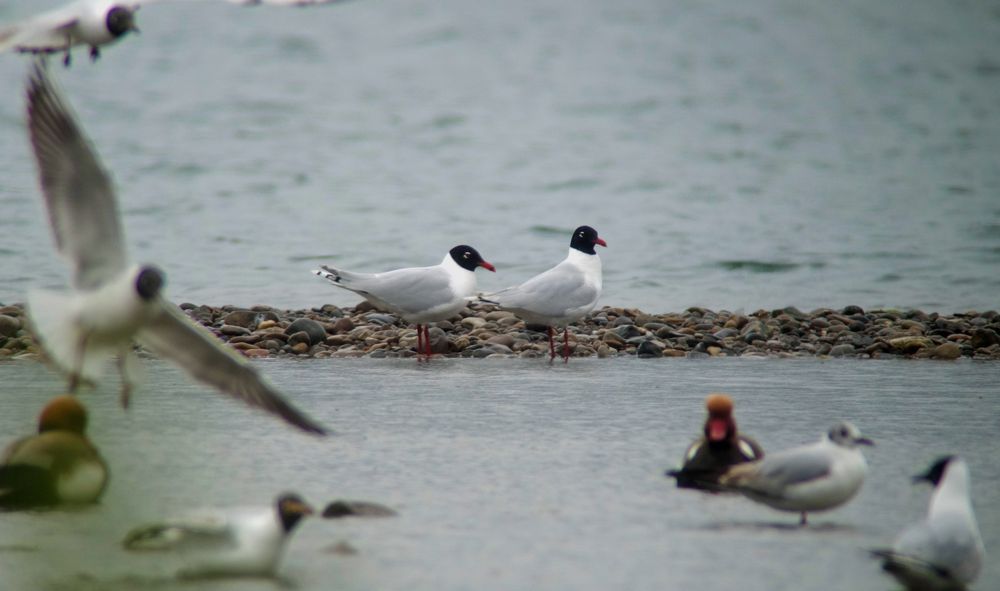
{"x":562,"y":294}
{"x":944,"y":551}
{"x":805,"y":479}
{"x":720,"y":447}
{"x":115,"y":303}
{"x":89,"y":22}
{"x":234,"y":542}
{"x":420,"y":294}
{"x":58,"y":465}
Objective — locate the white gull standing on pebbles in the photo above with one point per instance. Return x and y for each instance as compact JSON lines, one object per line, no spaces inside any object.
{"x":417,"y":294}
{"x":561,"y":295}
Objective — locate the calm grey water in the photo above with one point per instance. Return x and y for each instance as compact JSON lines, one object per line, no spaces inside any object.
{"x":513,"y":474}
{"x":733,"y":154}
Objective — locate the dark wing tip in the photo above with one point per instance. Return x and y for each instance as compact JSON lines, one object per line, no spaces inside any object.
{"x":257,"y":392}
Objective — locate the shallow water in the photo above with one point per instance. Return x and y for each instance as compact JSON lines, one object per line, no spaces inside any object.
{"x":734,"y":155}
{"x":511,"y":474}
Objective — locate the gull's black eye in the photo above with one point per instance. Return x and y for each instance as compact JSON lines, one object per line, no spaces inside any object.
{"x":843,"y":431}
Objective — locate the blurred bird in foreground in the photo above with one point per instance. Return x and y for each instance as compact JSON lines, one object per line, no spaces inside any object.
{"x":59,"y":465}
{"x":720,"y":447}
{"x":944,"y":551}
{"x":231,"y":542}
{"x":805,"y":479}
{"x":114,"y":302}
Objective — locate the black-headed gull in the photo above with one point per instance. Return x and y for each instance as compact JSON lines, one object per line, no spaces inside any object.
{"x":720,"y":446}
{"x":562,"y":294}
{"x":89,"y":22}
{"x":232,"y":542}
{"x":805,"y":479}
{"x":113,"y":302}
{"x":59,"y":465}
{"x":945,"y":550}
{"x":419,"y":294}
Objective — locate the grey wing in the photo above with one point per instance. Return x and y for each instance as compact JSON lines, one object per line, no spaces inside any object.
{"x":197,"y":351}
{"x":798,"y":466}
{"x":552,"y":293}
{"x":43,"y":31}
{"x":408,"y":290}
{"x":80,"y":200}
{"x":203,"y":532}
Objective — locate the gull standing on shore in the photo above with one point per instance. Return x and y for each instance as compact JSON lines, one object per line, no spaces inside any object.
{"x":814,"y":477}
{"x":561,"y":295}
{"x":114,"y":302}
{"x":89,"y":22}
{"x":418,"y":295}
{"x":945,"y":550}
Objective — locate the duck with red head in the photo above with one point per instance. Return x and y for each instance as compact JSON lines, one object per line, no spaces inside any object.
{"x":720,"y":447}
{"x":57,"y":466}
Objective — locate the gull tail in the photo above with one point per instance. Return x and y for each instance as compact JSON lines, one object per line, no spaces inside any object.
{"x":329,"y":273}
{"x":53,"y":318}
{"x":155,"y":536}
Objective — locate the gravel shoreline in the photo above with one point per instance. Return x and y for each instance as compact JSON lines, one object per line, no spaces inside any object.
{"x":485,"y":331}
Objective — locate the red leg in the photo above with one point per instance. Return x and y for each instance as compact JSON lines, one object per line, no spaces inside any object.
{"x":566,"y":345}
{"x":552,"y":345}
{"x":427,"y":342}
{"x":420,"y":342}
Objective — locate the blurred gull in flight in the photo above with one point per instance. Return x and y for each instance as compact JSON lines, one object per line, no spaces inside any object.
{"x":114,"y":303}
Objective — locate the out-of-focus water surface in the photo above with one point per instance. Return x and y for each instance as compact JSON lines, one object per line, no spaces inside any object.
{"x":733,"y":154}
{"x":512,"y":475}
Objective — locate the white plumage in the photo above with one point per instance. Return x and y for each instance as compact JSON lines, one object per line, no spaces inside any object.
{"x":233,"y":542}
{"x":564,"y":293}
{"x":93,"y":23}
{"x":814,"y":477}
{"x":945,"y":550}
{"x":114,"y":303}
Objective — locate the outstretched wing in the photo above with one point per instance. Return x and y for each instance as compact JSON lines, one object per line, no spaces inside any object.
{"x":79,"y":198}
{"x":197,"y":351}
{"x":43,"y":31}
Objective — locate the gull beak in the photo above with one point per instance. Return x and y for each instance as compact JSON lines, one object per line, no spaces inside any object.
{"x":297,"y":507}
{"x":601,"y":242}
{"x":488,"y":266}
{"x":864,"y":441}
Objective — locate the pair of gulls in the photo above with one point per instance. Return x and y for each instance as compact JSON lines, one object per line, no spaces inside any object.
{"x":420,"y":295}
{"x":942,"y":552}
{"x":93,"y":23}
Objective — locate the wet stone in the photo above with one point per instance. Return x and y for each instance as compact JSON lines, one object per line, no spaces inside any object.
{"x":232,"y":330}
{"x":315,"y":330}
{"x":9,"y":325}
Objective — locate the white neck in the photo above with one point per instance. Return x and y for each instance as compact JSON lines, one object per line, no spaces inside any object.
{"x":953,"y":490}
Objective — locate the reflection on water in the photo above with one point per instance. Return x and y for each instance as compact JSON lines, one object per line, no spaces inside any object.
{"x":510,"y":474}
